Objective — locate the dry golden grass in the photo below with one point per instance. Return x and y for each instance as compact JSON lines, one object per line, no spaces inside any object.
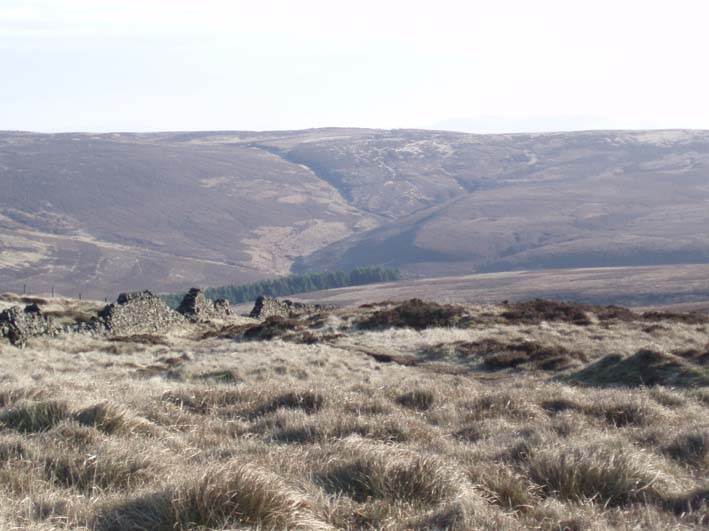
{"x":392,"y":428}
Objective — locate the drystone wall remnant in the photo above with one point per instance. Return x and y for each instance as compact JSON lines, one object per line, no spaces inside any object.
{"x":133,"y":313}
{"x":18,"y":324}
{"x":269,"y":306}
{"x":136,"y":313}
{"x":198,"y":308}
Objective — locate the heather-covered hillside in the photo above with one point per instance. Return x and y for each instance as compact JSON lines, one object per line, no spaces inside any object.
{"x":98,"y":213}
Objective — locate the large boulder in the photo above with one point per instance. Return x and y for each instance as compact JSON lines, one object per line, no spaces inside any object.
{"x":137,"y":313}
{"x":269,"y":306}
{"x":198,"y":308}
{"x":18,"y":324}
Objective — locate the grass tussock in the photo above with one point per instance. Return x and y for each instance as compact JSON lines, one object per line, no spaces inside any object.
{"x":112,"y":419}
{"x":539,"y":310}
{"x":617,"y":410}
{"x":50,"y":509}
{"x":497,"y":355}
{"x":75,"y":435}
{"x":22,"y":299}
{"x":109,"y":469}
{"x":231,"y":495}
{"x":498,"y":404}
{"x":691,"y":318}
{"x":645,"y":367}
{"x":229,"y":376}
{"x":696,"y":356}
{"x":243,"y":493}
{"x":463,"y":513}
{"x":13,"y":395}
{"x":691,"y":447}
{"x":429,"y":420}
{"x":292,"y":426}
{"x":390,"y":473}
{"x":31,"y":417}
{"x":204,"y":401}
{"x":623,"y":412}
{"x":309,"y":401}
{"x":12,"y":447}
{"x":273,"y":327}
{"x":418,"y":399}
{"x":608,"y":472}
{"x":668,"y":398}
{"x":505,"y":487}
{"x":143,"y":339}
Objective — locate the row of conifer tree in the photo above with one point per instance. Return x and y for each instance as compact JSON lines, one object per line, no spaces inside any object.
{"x":292,"y":284}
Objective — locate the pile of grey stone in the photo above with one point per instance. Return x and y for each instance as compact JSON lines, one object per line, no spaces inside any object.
{"x":269,"y":306}
{"x":133,"y":313}
{"x":197,"y":308}
{"x":18,"y":324}
{"x":140,"y":312}
{"x":143,"y":312}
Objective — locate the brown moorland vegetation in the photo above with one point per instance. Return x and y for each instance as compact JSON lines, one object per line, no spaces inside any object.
{"x":581,"y":418}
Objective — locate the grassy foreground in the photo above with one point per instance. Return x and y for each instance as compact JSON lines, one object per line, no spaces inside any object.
{"x":418,"y":416}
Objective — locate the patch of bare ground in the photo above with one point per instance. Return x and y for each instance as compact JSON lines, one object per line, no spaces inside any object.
{"x":434,"y":417}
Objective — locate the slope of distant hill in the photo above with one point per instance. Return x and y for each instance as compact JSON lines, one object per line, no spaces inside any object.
{"x":540,"y":201}
{"x":684,"y":287}
{"x":101,"y":213}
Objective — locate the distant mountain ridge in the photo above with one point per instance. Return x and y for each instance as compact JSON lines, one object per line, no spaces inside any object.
{"x":100,"y":213}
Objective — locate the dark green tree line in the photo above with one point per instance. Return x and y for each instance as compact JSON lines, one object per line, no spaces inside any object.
{"x":292,"y":284}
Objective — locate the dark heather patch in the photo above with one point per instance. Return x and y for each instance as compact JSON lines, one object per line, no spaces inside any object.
{"x":415,"y":314}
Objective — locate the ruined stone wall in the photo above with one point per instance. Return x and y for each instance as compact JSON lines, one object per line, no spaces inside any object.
{"x":136,"y":313}
{"x":17,"y":325}
{"x":133,"y":313}
{"x":268,"y":306}
{"x":198,"y":308}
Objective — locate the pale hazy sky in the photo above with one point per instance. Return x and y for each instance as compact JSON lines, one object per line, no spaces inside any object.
{"x":486,"y":66}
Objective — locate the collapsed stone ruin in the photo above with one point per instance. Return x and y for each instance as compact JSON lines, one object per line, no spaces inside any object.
{"x":141,"y":313}
{"x":136,"y":313}
{"x":269,"y":306}
{"x":197,"y":308}
{"x":18,"y":324}
{"x":145,"y":313}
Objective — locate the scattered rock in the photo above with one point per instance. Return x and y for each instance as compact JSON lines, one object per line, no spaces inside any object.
{"x":198,"y":308}
{"x":136,"y":313}
{"x":17,"y":325}
{"x":269,"y":306}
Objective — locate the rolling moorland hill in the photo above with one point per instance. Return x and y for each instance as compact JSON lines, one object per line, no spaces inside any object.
{"x":680,"y":287}
{"x":102,"y":213}
{"x":415,"y":416}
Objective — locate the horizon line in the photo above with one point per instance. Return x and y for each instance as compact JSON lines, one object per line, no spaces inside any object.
{"x":342,"y":128}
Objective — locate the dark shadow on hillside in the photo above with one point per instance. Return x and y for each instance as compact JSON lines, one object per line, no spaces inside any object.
{"x":645,"y":367}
